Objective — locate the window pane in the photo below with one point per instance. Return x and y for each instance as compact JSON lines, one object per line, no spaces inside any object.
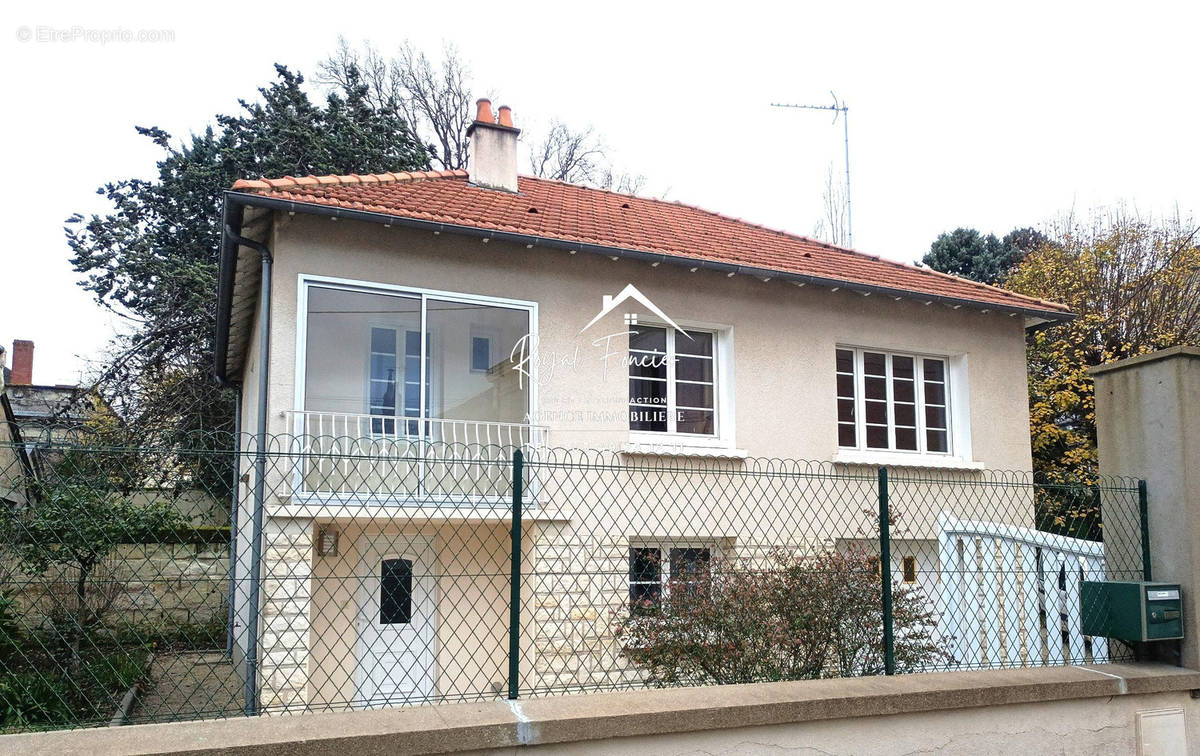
{"x":693,"y":369}
{"x":874,"y":363}
{"x":648,"y":419}
{"x":645,"y":564}
{"x":647,"y":366}
{"x":845,"y":361}
{"x":343,"y":329}
{"x":695,"y":421}
{"x":395,"y":591}
{"x":845,"y":386}
{"x":846,"y":435}
{"x":935,"y":440}
{"x":935,"y":417}
{"x":648,"y":392}
{"x":645,"y":576}
{"x":935,"y":393}
{"x":877,"y":437}
{"x":876,"y":412}
{"x":906,"y":439}
{"x":689,"y":569}
{"x":906,"y":414}
{"x":649,"y":339}
{"x":902,"y":368}
{"x":904,"y":391}
{"x":876,"y":388}
{"x":694,"y":395}
{"x":383,"y":340}
{"x":910,"y":569}
{"x":935,"y":370}
{"x":459,"y":393}
{"x":700,"y":343}
{"x":481,"y":353}
{"x":846,"y":410}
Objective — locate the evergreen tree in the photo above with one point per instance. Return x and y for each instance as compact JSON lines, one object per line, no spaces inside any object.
{"x":153,"y":259}
{"x":968,"y":253}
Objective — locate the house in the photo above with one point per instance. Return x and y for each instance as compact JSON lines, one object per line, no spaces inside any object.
{"x":362,"y":317}
{"x":42,"y":411}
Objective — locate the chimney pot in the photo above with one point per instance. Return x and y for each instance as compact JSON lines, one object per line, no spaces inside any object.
{"x":22,"y":367}
{"x":493,"y":161}
{"x":484,"y":111}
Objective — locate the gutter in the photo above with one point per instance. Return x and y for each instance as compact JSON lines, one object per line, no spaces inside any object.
{"x":236,"y":201}
{"x":232,"y":242}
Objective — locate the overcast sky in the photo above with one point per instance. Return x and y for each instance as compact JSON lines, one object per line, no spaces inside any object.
{"x":959,"y":116}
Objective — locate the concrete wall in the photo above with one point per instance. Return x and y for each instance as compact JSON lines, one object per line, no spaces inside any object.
{"x":1107,"y":709}
{"x":1148,"y":426}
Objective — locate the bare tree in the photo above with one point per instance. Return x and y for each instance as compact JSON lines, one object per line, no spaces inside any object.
{"x":436,"y":100}
{"x":579,"y":157}
{"x":434,"y":96}
{"x":833,"y":226}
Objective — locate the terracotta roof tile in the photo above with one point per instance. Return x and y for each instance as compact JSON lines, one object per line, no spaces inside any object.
{"x":571,"y":213}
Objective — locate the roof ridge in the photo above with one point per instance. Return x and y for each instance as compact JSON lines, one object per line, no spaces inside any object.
{"x":287,"y":182}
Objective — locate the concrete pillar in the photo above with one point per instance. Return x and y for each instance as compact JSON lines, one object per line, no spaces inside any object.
{"x":1148,"y":426}
{"x":286,"y":597}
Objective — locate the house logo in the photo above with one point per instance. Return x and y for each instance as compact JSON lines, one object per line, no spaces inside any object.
{"x":630,"y":291}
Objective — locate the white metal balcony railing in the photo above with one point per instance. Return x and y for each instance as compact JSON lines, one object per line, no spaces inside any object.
{"x":399,"y":459}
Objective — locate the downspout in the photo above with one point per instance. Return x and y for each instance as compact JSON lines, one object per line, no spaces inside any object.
{"x":234,"y":498}
{"x":260,"y":466}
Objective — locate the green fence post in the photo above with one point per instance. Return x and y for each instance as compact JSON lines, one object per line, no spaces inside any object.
{"x":514,"y":599}
{"x":1144,"y":511}
{"x":885,"y":572}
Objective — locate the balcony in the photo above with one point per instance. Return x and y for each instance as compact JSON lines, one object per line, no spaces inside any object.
{"x":406,"y":461}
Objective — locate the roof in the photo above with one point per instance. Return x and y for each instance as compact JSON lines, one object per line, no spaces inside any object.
{"x":553,"y":213}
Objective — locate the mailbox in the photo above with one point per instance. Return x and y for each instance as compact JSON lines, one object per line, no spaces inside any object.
{"x":1132,"y":611}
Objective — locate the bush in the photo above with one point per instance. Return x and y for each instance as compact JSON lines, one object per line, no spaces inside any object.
{"x":43,"y":693}
{"x":794,"y":617}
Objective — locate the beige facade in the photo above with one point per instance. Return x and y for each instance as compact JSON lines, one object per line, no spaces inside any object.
{"x":776,"y":390}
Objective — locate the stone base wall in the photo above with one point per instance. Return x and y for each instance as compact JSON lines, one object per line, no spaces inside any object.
{"x":146,"y":587}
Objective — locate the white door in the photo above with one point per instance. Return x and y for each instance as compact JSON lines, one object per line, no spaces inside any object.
{"x":396,"y":620}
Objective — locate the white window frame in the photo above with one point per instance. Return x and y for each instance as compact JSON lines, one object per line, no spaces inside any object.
{"x":306,"y":280}
{"x":958,"y":444}
{"x":671,"y":441}
{"x":664,"y":570}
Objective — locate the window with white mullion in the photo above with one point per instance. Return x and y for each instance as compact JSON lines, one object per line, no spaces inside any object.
{"x":672,"y":381}
{"x":892,"y":401}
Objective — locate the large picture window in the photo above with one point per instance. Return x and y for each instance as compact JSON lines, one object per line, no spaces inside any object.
{"x":403,"y":361}
{"x":892,"y":402}
{"x":672,"y":381}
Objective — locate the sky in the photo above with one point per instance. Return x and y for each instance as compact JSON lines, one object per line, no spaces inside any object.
{"x":961,"y":114}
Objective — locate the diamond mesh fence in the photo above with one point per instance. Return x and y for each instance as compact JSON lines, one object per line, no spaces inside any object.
{"x":387,"y":569}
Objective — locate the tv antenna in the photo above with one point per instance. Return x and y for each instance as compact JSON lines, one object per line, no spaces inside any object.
{"x":840,"y":109}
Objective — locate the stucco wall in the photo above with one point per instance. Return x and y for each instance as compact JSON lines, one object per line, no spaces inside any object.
{"x":784,"y":336}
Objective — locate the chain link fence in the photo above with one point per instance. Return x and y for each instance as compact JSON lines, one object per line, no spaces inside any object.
{"x":383,"y":569}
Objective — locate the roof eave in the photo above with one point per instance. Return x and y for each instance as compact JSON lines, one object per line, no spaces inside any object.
{"x":235,"y":201}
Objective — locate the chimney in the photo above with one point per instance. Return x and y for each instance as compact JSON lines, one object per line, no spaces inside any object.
{"x":22,"y":367}
{"x":493,"y":161}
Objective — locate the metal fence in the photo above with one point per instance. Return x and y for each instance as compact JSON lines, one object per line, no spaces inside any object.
{"x":383,"y":570}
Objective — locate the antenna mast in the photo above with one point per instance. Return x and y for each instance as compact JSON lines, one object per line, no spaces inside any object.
{"x":839,"y":108}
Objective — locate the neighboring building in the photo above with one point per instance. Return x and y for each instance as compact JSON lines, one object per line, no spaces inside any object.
{"x":15,"y":468}
{"x":481,"y":307}
{"x":40,"y":410}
